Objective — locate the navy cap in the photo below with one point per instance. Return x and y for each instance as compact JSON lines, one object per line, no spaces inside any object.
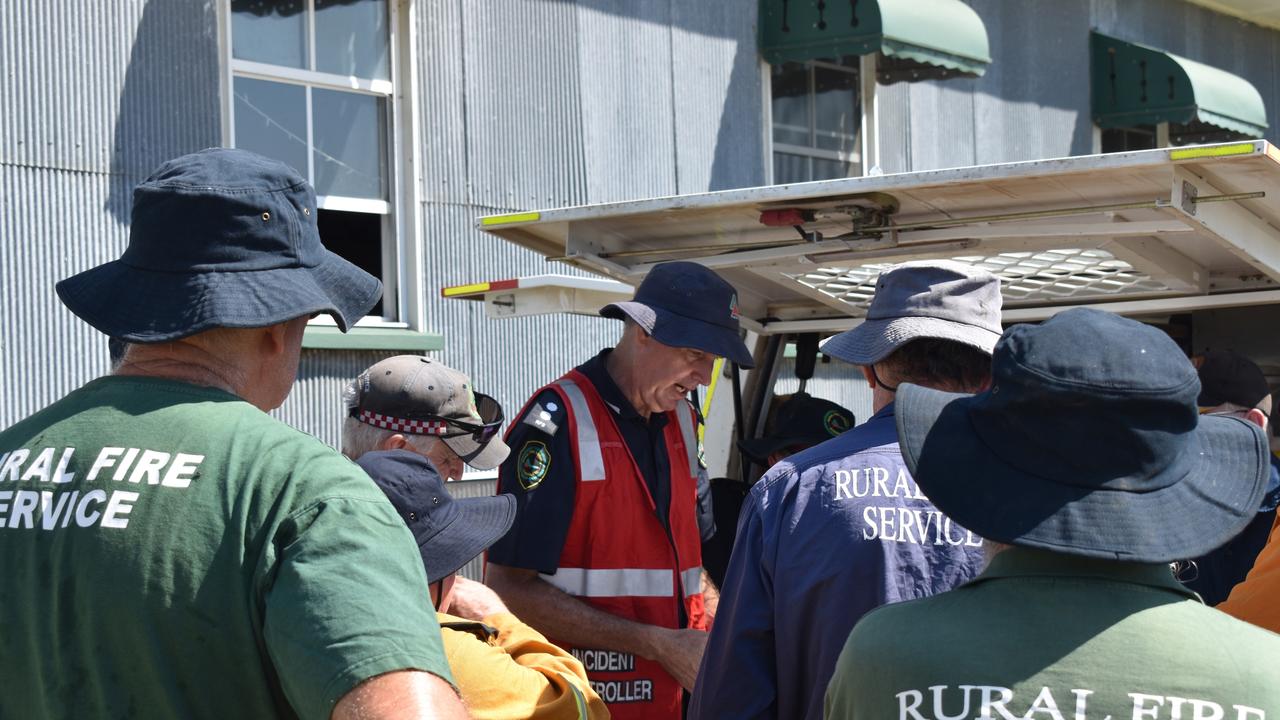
{"x":1089,"y":442}
{"x":219,"y":238}
{"x":450,"y":532}
{"x":683,"y":304}
{"x":801,"y":421}
{"x":1229,"y":377}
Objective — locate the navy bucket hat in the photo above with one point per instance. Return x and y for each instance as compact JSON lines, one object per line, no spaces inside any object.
{"x":683,"y":304}
{"x":1089,"y":442}
{"x":449,"y":532}
{"x":219,"y":238}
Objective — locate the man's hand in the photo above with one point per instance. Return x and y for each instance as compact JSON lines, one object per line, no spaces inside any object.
{"x":474,"y":601}
{"x":679,"y":652}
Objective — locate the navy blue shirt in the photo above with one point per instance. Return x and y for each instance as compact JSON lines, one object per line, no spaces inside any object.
{"x":544,"y":508}
{"x":825,"y":536}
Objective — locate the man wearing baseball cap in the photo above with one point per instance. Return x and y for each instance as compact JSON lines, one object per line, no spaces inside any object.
{"x":410,"y":402}
{"x":841,"y":528}
{"x":604,"y":556}
{"x":504,"y":668}
{"x":1087,"y":468}
{"x":170,"y":549}
{"x":800,"y":422}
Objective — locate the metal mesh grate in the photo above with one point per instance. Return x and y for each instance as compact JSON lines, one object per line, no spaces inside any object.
{"x":1025,"y":277}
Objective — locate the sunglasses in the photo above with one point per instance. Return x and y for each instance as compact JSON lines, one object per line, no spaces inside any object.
{"x":490,"y":412}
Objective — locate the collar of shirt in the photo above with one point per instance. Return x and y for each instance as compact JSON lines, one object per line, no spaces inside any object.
{"x":1016,"y":562}
{"x":598,"y":373}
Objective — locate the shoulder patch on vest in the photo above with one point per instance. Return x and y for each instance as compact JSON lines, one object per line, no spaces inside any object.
{"x":542,"y":418}
{"x":532,"y":464}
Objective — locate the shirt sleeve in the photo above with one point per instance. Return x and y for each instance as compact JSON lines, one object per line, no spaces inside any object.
{"x":706,"y":508}
{"x":738,"y":676}
{"x":348,"y":601}
{"x":522,"y":676}
{"x":540,"y":473}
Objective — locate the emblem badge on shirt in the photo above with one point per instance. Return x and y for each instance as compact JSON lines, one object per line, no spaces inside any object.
{"x":532,"y":464}
{"x":835,"y":423}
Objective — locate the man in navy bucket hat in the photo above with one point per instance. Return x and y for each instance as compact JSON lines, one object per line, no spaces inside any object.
{"x":1087,"y":468}
{"x":605,"y":553}
{"x":172,"y":550}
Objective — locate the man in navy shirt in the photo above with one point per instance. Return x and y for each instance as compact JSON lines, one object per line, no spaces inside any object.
{"x":841,"y":528}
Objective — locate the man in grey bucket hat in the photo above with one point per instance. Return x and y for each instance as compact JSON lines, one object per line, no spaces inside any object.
{"x":839,"y":529}
{"x":171,"y":550}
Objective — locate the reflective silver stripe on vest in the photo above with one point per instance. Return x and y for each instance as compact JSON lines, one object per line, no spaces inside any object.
{"x":692,"y":580}
{"x":627,"y":582}
{"x":684,"y":411}
{"x":590,"y":459}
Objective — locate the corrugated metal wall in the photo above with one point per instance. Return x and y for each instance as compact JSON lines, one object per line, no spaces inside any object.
{"x":94,"y":96}
{"x":521,"y":104}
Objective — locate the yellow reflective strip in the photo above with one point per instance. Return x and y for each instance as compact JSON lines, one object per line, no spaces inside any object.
{"x":1205,"y":152}
{"x":508,"y":219}
{"x":465,"y":289}
{"x":711,"y":391}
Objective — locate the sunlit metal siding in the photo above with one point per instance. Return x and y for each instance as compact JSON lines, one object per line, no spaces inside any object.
{"x":52,"y":225}
{"x":523,"y":103}
{"x":95,"y":96}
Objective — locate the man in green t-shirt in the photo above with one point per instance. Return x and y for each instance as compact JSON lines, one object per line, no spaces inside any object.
{"x":1087,"y":467}
{"x":167,"y":549}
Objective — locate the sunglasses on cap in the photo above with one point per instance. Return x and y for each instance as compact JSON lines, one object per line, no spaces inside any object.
{"x":490,"y":412}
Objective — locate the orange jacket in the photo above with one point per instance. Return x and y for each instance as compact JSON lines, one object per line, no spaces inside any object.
{"x":1257,"y":599}
{"x":506,"y":669}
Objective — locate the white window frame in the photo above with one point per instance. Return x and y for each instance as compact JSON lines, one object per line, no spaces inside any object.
{"x":401,"y":252}
{"x":868,"y":120}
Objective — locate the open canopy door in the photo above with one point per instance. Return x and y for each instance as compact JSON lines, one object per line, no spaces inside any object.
{"x":1142,"y":232}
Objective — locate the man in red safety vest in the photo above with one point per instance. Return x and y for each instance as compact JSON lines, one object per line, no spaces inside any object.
{"x":604,"y":556}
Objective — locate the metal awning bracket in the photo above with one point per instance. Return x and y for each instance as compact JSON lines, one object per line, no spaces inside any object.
{"x":1220,"y":215}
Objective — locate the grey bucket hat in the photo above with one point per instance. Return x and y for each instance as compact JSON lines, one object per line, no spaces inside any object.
{"x":941,"y":299}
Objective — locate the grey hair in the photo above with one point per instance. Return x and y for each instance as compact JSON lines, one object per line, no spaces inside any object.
{"x":359,"y":438}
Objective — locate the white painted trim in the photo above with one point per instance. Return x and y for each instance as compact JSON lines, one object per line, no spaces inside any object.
{"x":766,"y":89}
{"x":790,"y":149}
{"x":280,"y":73}
{"x":349,"y":204}
{"x":222,"y":11}
{"x":870,"y":115}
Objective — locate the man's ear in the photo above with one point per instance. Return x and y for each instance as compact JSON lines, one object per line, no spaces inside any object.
{"x":274,"y":338}
{"x":870,"y":376}
{"x":394,"y":442}
{"x":1257,"y":417}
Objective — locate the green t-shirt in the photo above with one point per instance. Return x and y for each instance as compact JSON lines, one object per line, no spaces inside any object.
{"x":168,"y":550}
{"x":1041,"y":635}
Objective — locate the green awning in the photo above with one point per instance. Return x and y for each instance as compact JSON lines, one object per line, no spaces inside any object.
{"x":937,"y":37}
{"x":1138,"y":85}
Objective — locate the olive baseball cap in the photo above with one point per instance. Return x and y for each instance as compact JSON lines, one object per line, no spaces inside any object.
{"x":420,"y":396}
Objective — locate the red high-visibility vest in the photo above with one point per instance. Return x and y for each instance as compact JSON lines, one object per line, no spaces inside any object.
{"x":617,"y":556}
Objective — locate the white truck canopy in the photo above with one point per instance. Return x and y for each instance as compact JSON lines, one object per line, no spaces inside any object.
{"x":1147,"y":232}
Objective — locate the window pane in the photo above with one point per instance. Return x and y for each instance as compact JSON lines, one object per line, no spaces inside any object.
{"x":271,"y":119}
{"x":790,"y":90}
{"x":836,"y":109}
{"x":357,"y":238}
{"x":349,"y":132}
{"x":789,"y":168}
{"x":270,"y":31}
{"x":829,"y":169}
{"x":352,"y":38}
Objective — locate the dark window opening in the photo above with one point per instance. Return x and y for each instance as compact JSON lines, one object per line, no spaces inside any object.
{"x":816,"y":121}
{"x":357,"y":238}
{"x":1143,"y":137}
